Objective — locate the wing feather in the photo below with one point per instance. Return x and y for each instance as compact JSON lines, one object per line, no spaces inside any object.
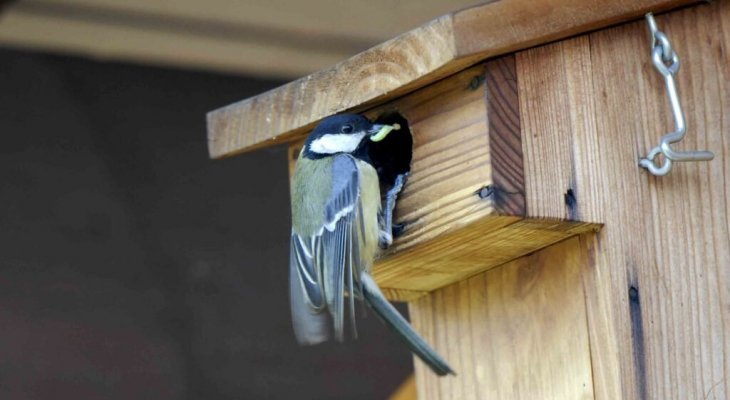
{"x":310,"y":326}
{"x":307,"y":274}
{"x":327,"y":263}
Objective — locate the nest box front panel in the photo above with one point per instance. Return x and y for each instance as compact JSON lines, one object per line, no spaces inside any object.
{"x":450,"y":162}
{"x":464,"y":202}
{"x":463,"y":206}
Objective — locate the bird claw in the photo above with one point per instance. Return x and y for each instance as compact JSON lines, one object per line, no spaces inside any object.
{"x":385,"y":239}
{"x":398,"y":184}
{"x":388,"y":229}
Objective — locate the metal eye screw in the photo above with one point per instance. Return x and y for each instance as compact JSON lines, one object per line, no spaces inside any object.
{"x":666,"y":62}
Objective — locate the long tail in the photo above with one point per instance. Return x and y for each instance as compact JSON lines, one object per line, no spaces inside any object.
{"x":374,"y":297}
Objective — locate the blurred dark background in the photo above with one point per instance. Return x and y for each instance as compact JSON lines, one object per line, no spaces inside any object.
{"x":132,"y":266}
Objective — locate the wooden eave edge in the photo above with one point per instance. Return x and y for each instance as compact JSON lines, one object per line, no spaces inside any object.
{"x":412,"y":60}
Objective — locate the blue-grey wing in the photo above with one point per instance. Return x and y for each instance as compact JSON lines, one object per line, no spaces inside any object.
{"x":306,"y":297}
{"x":326,"y":266}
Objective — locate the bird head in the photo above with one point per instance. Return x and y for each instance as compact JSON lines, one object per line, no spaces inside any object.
{"x":344,"y":133}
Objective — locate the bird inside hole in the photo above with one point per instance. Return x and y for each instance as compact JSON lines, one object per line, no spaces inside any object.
{"x":338,"y":222}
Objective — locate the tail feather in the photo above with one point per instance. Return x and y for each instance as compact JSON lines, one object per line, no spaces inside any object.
{"x":374,"y":297}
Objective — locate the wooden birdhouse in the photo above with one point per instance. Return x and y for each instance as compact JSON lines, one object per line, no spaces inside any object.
{"x":539,"y":257}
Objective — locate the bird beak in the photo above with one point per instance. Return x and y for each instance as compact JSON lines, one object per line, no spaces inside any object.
{"x":378,"y":132}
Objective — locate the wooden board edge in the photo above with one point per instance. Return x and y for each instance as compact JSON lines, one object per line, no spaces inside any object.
{"x":537,"y":234}
{"x":505,"y":136}
{"x":402,"y":295}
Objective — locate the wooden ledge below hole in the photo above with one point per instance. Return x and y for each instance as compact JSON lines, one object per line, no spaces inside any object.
{"x":467,"y":251}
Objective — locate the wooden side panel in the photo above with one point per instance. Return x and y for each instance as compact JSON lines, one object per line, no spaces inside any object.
{"x":658,"y":284}
{"x":515,"y":332}
{"x":505,"y":137}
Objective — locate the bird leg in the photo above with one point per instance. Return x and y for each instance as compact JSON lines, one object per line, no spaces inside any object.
{"x":385,"y":217}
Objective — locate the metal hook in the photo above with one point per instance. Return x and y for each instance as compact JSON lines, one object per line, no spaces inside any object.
{"x":666,"y":61}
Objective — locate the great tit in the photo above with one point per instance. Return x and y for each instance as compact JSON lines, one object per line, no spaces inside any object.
{"x":337,"y":225}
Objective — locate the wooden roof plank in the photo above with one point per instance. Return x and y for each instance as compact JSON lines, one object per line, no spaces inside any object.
{"x":428,"y":53}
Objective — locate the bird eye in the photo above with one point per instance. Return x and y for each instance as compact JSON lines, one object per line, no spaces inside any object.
{"x":347,"y":128}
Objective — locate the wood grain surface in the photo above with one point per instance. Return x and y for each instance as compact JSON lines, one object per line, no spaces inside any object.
{"x":419,"y":57}
{"x":515,"y":332}
{"x":505,"y":136}
{"x":658,"y":284}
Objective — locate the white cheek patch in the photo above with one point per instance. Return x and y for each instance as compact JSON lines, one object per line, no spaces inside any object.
{"x":339,"y":143}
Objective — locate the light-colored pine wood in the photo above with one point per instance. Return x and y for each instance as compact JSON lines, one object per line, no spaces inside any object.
{"x":419,"y":57}
{"x":658,"y":281}
{"x":451,"y":158}
{"x":515,"y":332}
{"x":505,"y":135}
{"x":452,"y":232}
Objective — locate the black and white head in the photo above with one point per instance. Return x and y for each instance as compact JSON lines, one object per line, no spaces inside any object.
{"x":344,"y":133}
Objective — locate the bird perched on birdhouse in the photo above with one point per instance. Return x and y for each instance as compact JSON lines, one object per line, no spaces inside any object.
{"x":338,"y":222}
